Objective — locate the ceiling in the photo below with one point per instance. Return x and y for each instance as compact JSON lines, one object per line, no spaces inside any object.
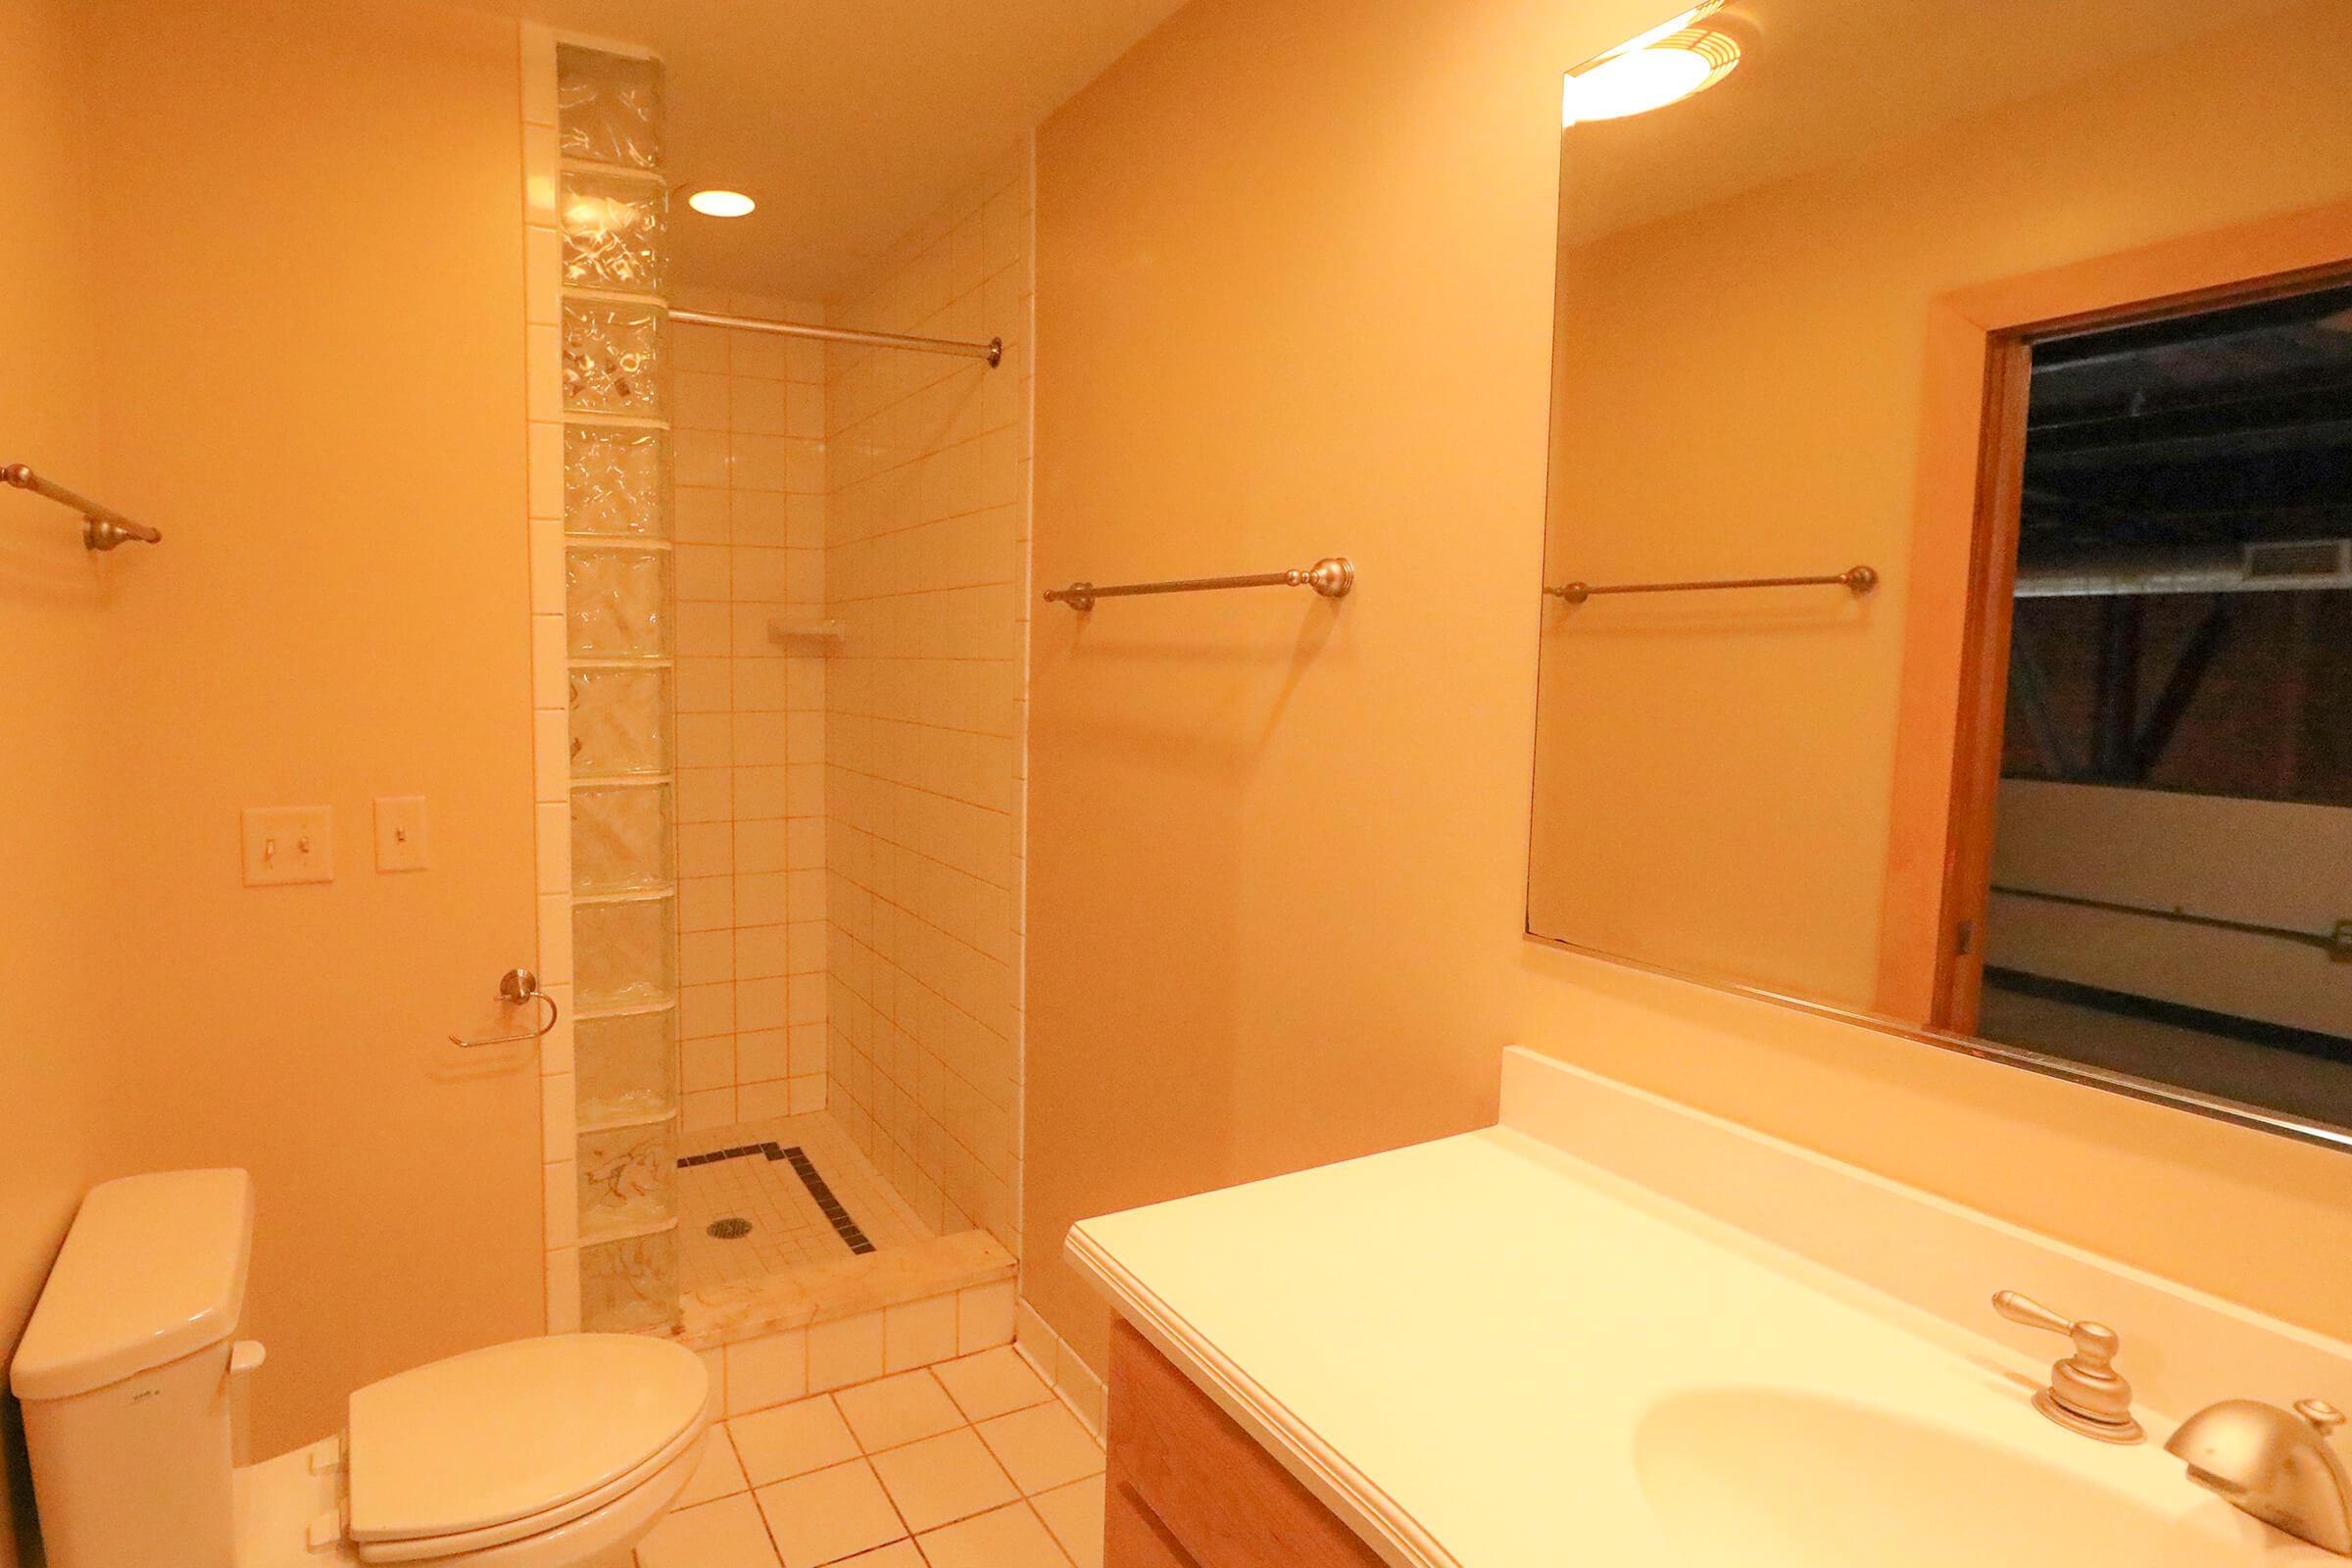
{"x":1829,"y":81}
{"x":846,"y":121}
{"x":2212,"y":429}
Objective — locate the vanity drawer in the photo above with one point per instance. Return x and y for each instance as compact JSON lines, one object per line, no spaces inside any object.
{"x":1188,"y":1489}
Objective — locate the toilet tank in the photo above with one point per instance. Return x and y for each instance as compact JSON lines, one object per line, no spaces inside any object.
{"x":123,"y":1373}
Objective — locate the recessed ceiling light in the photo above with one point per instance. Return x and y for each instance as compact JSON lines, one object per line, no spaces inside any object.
{"x":1663,"y":66}
{"x":720,"y":203}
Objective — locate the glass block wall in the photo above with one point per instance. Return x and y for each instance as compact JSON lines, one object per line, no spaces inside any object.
{"x":619,"y":648}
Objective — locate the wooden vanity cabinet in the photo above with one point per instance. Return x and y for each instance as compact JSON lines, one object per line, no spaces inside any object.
{"x":1188,"y":1489}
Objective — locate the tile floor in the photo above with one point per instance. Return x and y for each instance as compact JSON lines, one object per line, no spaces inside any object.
{"x":972,"y":1464}
{"x":788,"y":1229}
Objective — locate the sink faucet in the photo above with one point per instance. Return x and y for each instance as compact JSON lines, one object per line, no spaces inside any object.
{"x":2085,"y":1393}
{"x":2277,"y":1466}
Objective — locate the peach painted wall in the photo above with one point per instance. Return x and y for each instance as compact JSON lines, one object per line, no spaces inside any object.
{"x":1672,"y":728}
{"x":63,"y":1120}
{"x":1295,"y":295}
{"x":299,"y":314}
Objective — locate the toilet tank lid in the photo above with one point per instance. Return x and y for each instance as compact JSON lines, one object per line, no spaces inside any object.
{"x":153,"y":1269}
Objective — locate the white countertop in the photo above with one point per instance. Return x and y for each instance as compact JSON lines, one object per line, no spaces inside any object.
{"x":1482,"y":1353}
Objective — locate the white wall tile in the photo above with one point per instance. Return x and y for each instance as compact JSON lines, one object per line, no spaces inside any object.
{"x":563,"y":1197}
{"x":550,"y":662}
{"x":920,"y":1334}
{"x":541,"y":163}
{"x":558,"y":1117}
{"x":844,"y":1351}
{"x":739,"y":468}
{"x":538,"y":73}
{"x":552,"y":836}
{"x":542,"y":274}
{"x":984,"y":1317}
{"x":563,"y":1291}
{"x":556,"y":1046}
{"x":925,"y":528}
{"x":543,"y":371}
{"x":772,"y":1369}
{"x":547,"y":470}
{"x":555,"y":939}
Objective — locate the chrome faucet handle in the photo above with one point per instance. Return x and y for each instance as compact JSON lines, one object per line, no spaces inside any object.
{"x":2324,"y":1418}
{"x":2085,"y":1394}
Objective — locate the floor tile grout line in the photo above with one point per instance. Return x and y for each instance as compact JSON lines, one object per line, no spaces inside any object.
{"x":1029,"y":1502}
{"x":906,"y":1530}
{"x":1023,"y":1498}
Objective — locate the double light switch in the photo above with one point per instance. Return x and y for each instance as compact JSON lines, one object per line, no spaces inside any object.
{"x":289,"y":843}
{"x":286,"y":844}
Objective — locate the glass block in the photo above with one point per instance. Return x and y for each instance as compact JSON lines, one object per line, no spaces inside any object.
{"x":619,"y":721}
{"x":615,"y":481}
{"x":628,"y":1178}
{"x":617,"y":601}
{"x":630,"y":1287}
{"x":628,"y":1067}
{"x":608,"y":107}
{"x":625,"y":954}
{"x":622,"y":838}
{"x":613,"y":232}
{"x":612,"y":359}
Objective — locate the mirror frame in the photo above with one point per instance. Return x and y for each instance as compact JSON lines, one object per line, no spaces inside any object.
{"x":1955,"y":659}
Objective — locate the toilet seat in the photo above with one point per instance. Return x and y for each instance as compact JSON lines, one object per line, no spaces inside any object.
{"x":500,"y":1445}
{"x":601,"y":1538}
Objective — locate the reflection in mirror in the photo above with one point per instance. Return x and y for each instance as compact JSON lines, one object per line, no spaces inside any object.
{"x":1949,"y":612}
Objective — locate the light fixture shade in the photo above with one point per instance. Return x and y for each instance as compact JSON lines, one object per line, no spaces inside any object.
{"x":1649,"y":72}
{"x":720,"y":203}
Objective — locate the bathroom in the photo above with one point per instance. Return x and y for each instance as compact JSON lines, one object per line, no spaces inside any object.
{"x":534,"y":592}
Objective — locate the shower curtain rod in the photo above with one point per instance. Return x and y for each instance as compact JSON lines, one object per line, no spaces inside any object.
{"x":993,"y":351}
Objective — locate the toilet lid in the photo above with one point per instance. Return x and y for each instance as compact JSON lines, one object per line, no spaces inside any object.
{"x":503,"y":1433}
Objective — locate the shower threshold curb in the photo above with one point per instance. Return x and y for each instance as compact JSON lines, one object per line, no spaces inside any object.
{"x":743,"y":1309}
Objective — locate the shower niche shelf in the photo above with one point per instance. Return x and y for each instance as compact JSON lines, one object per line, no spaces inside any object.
{"x":599,"y":1118}
{"x":591,"y":1236}
{"x":626,"y":1009}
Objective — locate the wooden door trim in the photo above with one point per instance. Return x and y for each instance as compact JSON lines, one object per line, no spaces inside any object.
{"x":1964,"y":557}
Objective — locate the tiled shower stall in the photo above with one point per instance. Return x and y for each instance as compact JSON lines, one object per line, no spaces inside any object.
{"x":926,"y":568}
{"x":779,"y":652}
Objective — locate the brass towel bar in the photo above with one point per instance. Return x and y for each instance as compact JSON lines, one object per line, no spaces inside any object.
{"x":102,"y":527}
{"x":1332,"y":577}
{"x":1858,"y":580}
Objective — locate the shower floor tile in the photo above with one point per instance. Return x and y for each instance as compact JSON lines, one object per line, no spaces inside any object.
{"x":787,"y":1227}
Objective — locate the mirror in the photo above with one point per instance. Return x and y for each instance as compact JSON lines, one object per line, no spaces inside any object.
{"x":2040,"y":316}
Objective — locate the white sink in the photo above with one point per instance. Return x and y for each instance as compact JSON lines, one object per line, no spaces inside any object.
{"x":1615,"y":1333}
{"x":1769,"y":1478}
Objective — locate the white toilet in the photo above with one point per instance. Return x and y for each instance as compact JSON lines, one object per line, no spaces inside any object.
{"x":557,"y":1452}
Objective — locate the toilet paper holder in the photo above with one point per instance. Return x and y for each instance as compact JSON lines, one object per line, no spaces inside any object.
{"x":514,"y":988}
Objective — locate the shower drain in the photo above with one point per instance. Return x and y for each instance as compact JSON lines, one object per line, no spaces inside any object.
{"x":729,"y":1229}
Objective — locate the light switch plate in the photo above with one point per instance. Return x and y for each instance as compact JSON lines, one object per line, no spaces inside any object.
{"x":400,"y":833}
{"x":289,"y":843}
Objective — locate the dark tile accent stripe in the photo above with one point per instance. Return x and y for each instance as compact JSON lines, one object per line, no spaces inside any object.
{"x":771,"y":1150}
{"x":845,"y":1226}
